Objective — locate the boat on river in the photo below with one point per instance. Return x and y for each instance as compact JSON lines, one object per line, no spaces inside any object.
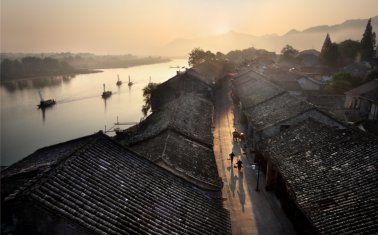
{"x":105,"y":93}
{"x":130,"y":82}
{"x":45,"y":103}
{"x":119,"y":82}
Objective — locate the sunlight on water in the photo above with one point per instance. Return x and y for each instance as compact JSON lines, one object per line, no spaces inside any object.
{"x":79,"y":111}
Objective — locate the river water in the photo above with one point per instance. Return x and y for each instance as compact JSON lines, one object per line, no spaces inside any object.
{"x":79,"y":111}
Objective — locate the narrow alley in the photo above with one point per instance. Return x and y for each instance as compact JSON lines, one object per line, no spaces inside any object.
{"x":251,"y":211}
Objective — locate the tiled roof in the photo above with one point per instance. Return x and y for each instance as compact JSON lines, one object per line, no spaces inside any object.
{"x":288,"y":85}
{"x":188,"y":114}
{"x":301,"y":137}
{"x":333,"y":179}
{"x":244,"y":77}
{"x":193,"y":73}
{"x":213,"y":70}
{"x":108,"y":189}
{"x":180,"y":136}
{"x":185,"y":157}
{"x":45,"y":158}
{"x":327,"y":101}
{"x":257,"y":91}
{"x":274,"y":110}
{"x":25,"y":171}
{"x":371,"y":95}
{"x":186,"y":79}
{"x":281,"y":75}
{"x":366,"y":87}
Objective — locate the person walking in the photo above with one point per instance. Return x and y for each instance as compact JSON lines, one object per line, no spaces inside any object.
{"x":232,"y":155}
{"x":239,"y":163}
{"x":235,"y":135}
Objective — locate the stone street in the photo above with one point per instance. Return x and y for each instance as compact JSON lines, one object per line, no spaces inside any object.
{"x":251,"y":211}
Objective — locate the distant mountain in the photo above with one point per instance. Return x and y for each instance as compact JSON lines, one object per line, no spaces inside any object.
{"x":311,"y":38}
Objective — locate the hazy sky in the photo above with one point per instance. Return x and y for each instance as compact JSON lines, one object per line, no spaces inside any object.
{"x":140,"y":26}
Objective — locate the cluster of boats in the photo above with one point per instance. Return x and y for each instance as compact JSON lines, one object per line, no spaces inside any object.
{"x":105,"y":94}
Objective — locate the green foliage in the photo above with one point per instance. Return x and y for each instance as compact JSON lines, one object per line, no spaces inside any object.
{"x":147,"y":90}
{"x":368,"y":42}
{"x":289,"y":53}
{"x":197,"y":56}
{"x":220,"y":56}
{"x":348,"y":51}
{"x":247,"y":56}
{"x":342,"y":82}
{"x":329,"y":55}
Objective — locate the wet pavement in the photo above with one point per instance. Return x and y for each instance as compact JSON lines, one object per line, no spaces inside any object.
{"x":251,"y":211}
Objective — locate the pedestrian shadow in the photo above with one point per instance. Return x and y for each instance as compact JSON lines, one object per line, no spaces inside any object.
{"x":233,"y":179}
{"x":241,"y":192}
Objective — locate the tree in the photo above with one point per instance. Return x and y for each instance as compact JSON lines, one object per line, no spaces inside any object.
{"x":197,"y":56}
{"x":368,"y":42}
{"x":329,"y":53}
{"x":220,"y":56}
{"x":348,"y":51}
{"x":147,"y":90}
{"x":289,"y":53}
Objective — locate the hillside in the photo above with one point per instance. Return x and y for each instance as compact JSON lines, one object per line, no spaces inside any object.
{"x":311,"y":38}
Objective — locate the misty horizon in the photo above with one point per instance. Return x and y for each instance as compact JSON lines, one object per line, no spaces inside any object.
{"x":145,"y":29}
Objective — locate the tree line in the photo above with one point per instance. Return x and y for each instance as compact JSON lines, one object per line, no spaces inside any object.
{"x":238,"y":57}
{"x":15,"y":66}
{"x":33,"y":66}
{"x":340,"y":54}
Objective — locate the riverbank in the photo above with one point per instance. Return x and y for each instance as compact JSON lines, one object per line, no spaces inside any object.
{"x":68,"y":74}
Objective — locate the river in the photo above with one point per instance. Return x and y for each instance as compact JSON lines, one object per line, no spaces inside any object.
{"x":79,"y":111}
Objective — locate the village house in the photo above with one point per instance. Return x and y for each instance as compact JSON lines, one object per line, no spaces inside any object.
{"x":93,"y":185}
{"x":252,"y":88}
{"x":326,"y":178}
{"x":188,"y":82}
{"x":285,"y":79}
{"x":269,"y":109}
{"x":311,"y":85}
{"x":308,"y":58}
{"x":333,"y":104}
{"x":274,"y":115}
{"x":179,"y":138}
{"x":362,"y":102}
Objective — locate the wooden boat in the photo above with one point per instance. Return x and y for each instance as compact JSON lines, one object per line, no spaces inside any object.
{"x":119,"y":82}
{"x":106,"y":94}
{"x":45,"y":103}
{"x":130,"y":82}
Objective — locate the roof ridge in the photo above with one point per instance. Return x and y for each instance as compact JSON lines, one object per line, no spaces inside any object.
{"x":42,"y":149}
{"x":275,"y":96}
{"x":43,"y":176}
{"x":196,"y":78}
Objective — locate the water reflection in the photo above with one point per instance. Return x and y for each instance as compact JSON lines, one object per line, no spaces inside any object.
{"x":105,"y":101}
{"x":36,"y":83}
{"x":43,"y":112}
{"x":79,"y":109}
